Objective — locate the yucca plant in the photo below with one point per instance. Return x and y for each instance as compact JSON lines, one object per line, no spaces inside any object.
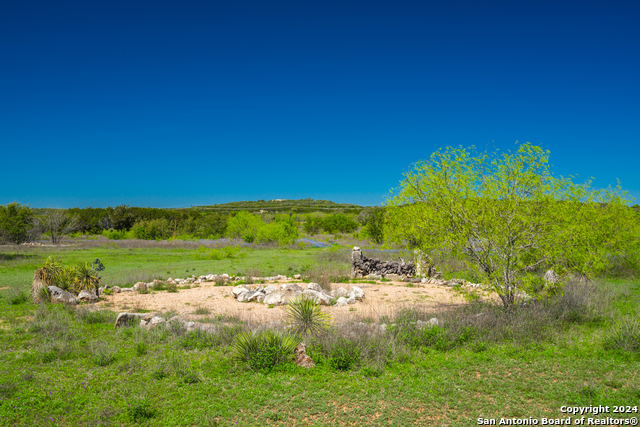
{"x":304,"y":317}
{"x":86,"y":278}
{"x":66,"y":277}
{"x":265,"y":350}
{"x":44,"y":277}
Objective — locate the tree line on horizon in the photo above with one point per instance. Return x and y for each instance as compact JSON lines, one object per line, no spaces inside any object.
{"x":20,"y":223}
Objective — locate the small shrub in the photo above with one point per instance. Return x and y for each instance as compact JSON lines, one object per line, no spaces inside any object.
{"x":92,"y":317}
{"x":141,"y":348}
{"x":55,"y":350}
{"x":200,"y":311}
{"x":264,"y":350}
{"x":139,"y":407}
{"x":197,"y":339}
{"x":17,"y":297}
{"x":625,"y":337}
{"x":102,"y":353}
{"x":51,"y":321}
{"x":372,"y":371}
{"x":343,"y":355}
{"x":251,"y":274}
{"x":160,"y":372}
{"x":303,"y":315}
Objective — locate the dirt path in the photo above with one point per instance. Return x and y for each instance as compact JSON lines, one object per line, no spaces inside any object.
{"x":381,"y":299}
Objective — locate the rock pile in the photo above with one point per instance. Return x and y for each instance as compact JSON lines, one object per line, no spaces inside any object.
{"x":362,"y":266}
{"x":281,"y":295}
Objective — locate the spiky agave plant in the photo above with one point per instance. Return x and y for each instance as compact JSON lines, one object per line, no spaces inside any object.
{"x":44,"y":277}
{"x":264,"y":350}
{"x":86,"y":278}
{"x":304,"y":317}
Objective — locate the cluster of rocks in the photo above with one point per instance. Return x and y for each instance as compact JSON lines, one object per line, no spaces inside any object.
{"x":282,"y":294}
{"x":59,"y":295}
{"x":193,"y":280}
{"x":32,"y":244}
{"x":382,"y":327}
{"x":362,"y":266}
{"x":150,"y":321}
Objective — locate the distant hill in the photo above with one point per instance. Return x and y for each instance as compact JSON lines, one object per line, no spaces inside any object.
{"x":285,"y":205}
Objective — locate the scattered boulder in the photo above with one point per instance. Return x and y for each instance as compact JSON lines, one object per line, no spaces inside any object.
{"x":238,"y":290}
{"x":341,"y":302}
{"x":319,"y":297}
{"x":86,"y":296}
{"x":291,"y":287}
{"x":116,"y":289}
{"x":356,"y":293}
{"x":61,"y":296}
{"x":150,"y":321}
{"x":140,"y":287}
{"x":340,"y":292}
{"x":302,"y":359}
{"x":281,"y":297}
{"x":314,"y":287}
{"x":126,"y":319}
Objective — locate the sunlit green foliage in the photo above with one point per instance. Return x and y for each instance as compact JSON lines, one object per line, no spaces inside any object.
{"x":15,"y":222}
{"x":508,"y":215}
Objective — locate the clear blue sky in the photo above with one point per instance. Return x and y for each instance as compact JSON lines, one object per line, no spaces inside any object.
{"x":166,"y":104}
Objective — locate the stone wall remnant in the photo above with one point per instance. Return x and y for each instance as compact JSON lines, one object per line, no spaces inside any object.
{"x":361,"y":266}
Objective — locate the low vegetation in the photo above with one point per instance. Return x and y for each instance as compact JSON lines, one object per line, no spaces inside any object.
{"x":478,"y":360}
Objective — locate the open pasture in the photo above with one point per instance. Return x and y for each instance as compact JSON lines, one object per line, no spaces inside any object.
{"x":68,"y":366}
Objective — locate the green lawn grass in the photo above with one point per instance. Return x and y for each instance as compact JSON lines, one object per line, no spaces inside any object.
{"x":65,"y":367}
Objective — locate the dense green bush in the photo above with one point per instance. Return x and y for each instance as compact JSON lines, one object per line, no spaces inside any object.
{"x":115,"y":234}
{"x":265,"y":350}
{"x":332,"y":224}
{"x":217,"y":254}
{"x":155,"y":229}
{"x":15,"y":222}
{"x":252,"y":228}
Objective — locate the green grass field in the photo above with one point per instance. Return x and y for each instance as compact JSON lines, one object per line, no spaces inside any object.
{"x":128,"y":265}
{"x":70,"y":367}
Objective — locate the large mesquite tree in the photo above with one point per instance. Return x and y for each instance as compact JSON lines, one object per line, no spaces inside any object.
{"x":507,"y":215}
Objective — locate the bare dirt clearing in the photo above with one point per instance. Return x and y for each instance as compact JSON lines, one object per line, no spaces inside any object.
{"x":381,"y":299}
